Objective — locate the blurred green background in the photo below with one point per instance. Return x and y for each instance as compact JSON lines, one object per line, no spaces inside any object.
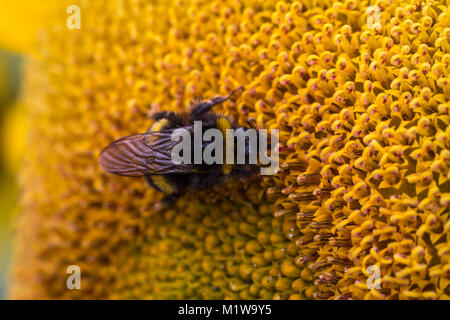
{"x":10,"y":120}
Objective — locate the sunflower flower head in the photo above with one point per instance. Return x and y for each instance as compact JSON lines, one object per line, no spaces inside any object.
{"x":363,"y":115}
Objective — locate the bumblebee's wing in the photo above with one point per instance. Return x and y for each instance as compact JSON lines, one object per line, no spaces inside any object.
{"x":142,"y":154}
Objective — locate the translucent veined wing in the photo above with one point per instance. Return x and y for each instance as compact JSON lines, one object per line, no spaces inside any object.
{"x":142,"y":154}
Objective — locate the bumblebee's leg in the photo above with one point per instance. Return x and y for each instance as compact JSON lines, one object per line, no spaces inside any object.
{"x":170,"y":199}
{"x":243,"y":172}
{"x":250,"y":122}
{"x":167,"y":202}
{"x":206,"y":106}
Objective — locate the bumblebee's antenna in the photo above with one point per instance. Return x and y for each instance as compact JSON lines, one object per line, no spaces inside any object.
{"x":234,"y":91}
{"x":205,"y":106}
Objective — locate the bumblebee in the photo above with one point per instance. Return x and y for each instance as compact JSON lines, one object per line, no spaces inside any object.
{"x":149,"y":154}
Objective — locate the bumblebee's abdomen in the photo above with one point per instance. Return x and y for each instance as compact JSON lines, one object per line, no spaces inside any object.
{"x":162,"y":183}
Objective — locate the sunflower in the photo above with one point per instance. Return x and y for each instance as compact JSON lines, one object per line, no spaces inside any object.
{"x":362,"y":110}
